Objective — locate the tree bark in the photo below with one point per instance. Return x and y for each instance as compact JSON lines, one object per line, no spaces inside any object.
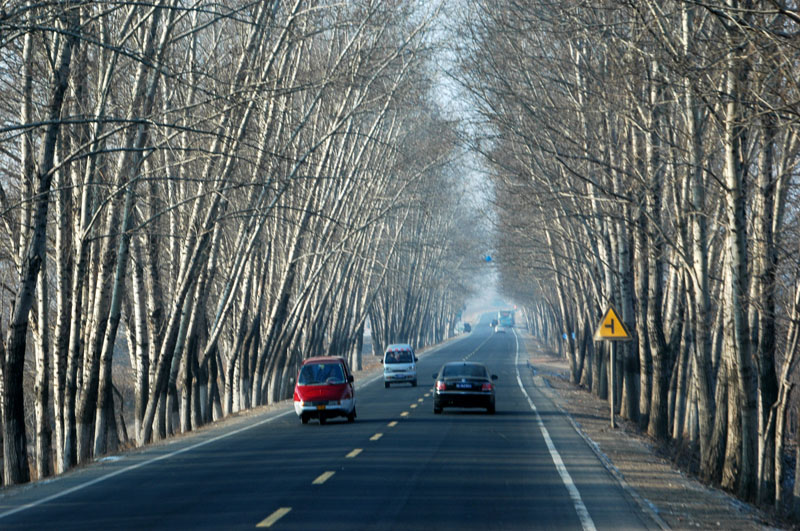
{"x":736,"y":208}
{"x":15,"y":458}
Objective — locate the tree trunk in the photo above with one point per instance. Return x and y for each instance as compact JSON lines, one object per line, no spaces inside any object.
{"x":42,"y":389}
{"x":15,"y":457}
{"x":657,"y":426}
{"x":736,"y":208}
{"x":105,"y":408}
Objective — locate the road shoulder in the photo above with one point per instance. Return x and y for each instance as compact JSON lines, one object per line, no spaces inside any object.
{"x":678,"y":501}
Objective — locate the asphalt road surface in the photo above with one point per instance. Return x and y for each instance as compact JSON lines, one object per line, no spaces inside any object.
{"x":398,"y":466}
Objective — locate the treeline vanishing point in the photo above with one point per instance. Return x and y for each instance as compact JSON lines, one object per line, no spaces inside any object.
{"x":197,"y":195}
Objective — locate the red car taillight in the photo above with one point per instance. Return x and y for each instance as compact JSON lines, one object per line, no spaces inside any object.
{"x":440,"y":386}
{"x":486,"y":387}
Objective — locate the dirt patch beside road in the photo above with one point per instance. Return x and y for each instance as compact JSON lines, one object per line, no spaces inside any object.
{"x":679,"y":501}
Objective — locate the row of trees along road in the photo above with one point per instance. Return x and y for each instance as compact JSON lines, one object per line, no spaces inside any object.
{"x":196,"y":196}
{"x":645,"y":154}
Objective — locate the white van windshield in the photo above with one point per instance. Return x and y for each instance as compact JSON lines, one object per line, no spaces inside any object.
{"x":400,"y":356}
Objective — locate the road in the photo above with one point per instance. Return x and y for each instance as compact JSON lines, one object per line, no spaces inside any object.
{"x":398,"y":466}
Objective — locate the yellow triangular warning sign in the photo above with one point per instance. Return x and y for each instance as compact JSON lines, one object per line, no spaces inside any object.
{"x":611,"y":327}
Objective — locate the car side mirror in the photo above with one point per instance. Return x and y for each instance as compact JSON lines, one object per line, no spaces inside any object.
{"x":350,"y":378}
{"x":494,"y":377}
{"x":381,"y":361}
{"x":416,"y":359}
{"x":435,"y":376}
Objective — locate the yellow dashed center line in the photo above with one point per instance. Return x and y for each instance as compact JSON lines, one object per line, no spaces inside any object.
{"x":325,"y":476}
{"x":404,"y":414}
{"x":412,"y":406}
{"x":427,"y":395}
{"x":354,"y":453}
{"x":392,"y":424}
{"x":274,"y":517}
{"x":420,"y":400}
{"x":376,"y":437}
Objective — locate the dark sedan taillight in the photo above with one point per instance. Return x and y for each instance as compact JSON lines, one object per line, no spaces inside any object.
{"x":486,"y":387}
{"x":440,"y":385}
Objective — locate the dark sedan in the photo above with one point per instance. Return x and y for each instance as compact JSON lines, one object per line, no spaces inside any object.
{"x":464,"y":384}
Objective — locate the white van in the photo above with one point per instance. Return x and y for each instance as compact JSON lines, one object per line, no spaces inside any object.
{"x":399,"y":365}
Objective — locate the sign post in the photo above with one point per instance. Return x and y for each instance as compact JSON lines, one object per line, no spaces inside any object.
{"x":612,"y":386}
{"x":611,"y":328}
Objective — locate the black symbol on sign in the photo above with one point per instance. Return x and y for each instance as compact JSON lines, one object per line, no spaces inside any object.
{"x":611,"y":325}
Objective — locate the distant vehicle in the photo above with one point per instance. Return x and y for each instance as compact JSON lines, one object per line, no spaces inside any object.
{"x":467,"y":328}
{"x":493,"y":324}
{"x":324,"y":389}
{"x":464,"y":384}
{"x":399,"y":365}
{"x":505,"y":318}
{"x":499,"y":328}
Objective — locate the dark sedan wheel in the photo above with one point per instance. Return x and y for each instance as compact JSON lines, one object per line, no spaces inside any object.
{"x":490,"y":409}
{"x":413,"y":383}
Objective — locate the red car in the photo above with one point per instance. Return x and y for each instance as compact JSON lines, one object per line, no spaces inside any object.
{"x":324,"y":389}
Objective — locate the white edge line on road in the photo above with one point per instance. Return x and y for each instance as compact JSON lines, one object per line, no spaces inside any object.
{"x":583,"y":514}
{"x":646,"y":505}
{"x":364,"y":383}
{"x":139,"y":465}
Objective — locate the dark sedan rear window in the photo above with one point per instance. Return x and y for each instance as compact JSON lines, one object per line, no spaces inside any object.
{"x":471,"y":371}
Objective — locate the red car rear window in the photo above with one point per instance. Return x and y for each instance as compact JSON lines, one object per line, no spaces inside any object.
{"x":321,"y":374}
